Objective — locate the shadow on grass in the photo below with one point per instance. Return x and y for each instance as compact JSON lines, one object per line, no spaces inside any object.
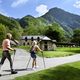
{"x":58,"y":73}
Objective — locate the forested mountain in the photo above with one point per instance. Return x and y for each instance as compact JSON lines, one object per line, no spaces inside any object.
{"x":62,"y":17}
{"x":67,"y":20}
{"x":32,"y":21}
{"x":55,"y":19}
{"x":8,"y":24}
{"x":8,"y":21}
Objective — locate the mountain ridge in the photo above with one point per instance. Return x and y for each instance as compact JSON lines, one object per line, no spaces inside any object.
{"x":68,"y":21}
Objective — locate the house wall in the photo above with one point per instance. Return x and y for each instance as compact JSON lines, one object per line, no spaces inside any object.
{"x":28,"y":42}
{"x":49,"y":46}
{"x":44,"y":45}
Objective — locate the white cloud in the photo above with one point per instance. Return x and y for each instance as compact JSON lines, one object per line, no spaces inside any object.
{"x":3,"y":12}
{"x":41,"y":9}
{"x":18,"y":2}
{"x":77,"y":4}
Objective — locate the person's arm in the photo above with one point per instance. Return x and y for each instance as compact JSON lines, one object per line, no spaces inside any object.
{"x":17,"y":42}
{"x":11,"y":49}
{"x":39,"y":48}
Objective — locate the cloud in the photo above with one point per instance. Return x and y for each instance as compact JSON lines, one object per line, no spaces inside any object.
{"x":18,"y":3}
{"x":3,"y":12}
{"x":41,"y":9}
{"x":77,"y":4}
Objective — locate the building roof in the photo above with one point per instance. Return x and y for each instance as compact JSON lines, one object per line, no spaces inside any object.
{"x":46,"y":38}
{"x":29,"y":37}
{"x":35,"y":37}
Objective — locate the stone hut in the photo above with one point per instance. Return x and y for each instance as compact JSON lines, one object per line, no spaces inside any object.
{"x":44,"y":42}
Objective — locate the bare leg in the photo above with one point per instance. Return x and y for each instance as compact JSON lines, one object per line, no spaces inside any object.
{"x":34,"y":62}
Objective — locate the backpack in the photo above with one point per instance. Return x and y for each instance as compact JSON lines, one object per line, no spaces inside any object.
{"x":31,"y":49}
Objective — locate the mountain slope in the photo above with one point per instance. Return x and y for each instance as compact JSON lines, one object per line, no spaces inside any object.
{"x":9,"y":22}
{"x":29,"y":20}
{"x":62,"y":17}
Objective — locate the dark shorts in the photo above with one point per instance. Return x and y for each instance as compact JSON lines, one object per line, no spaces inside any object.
{"x":33,"y":54}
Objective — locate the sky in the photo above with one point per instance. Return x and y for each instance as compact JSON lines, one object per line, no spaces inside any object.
{"x":36,"y":8}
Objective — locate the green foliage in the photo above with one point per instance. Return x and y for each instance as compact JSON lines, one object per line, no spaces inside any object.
{"x":76,"y":36}
{"x":10,"y":25}
{"x":2,"y":33}
{"x":10,"y":22}
{"x":30,"y":21}
{"x":55,"y":32}
{"x":34,"y":30}
{"x":33,"y":26}
{"x":16,"y":33}
{"x":0,"y":52}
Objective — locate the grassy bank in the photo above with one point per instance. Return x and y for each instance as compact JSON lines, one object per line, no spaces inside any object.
{"x":60,"y":52}
{"x":50,"y":54}
{"x":69,"y":71}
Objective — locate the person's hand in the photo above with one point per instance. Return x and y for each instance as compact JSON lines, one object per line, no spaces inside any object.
{"x":14,"y":50}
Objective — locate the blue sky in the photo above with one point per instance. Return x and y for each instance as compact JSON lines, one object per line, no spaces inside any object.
{"x":36,"y":8}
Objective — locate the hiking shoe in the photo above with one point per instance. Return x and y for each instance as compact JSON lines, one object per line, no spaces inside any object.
{"x":33,"y":68}
{"x":36,"y":66}
{"x":14,"y":72}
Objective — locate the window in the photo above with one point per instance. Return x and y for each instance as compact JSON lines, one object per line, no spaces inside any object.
{"x":25,"y":38}
{"x":45,"y":42}
{"x":32,"y":38}
{"x":28,"y":43}
{"x":38,"y":38}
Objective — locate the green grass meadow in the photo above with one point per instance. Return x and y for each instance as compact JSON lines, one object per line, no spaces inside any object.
{"x":69,"y":71}
{"x":61,"y":52}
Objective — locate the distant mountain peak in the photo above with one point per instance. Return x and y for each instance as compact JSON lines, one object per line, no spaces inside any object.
{"x":29,"y":16}
{"x":62,"y":17}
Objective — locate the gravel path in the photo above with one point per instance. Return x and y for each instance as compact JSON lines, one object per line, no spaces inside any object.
{"x":21,"y":59}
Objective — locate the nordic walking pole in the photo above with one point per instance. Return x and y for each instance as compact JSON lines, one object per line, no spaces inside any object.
{"x":43,"y":60}
{"x":28,"y":62}
{"x":13,"y":56}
